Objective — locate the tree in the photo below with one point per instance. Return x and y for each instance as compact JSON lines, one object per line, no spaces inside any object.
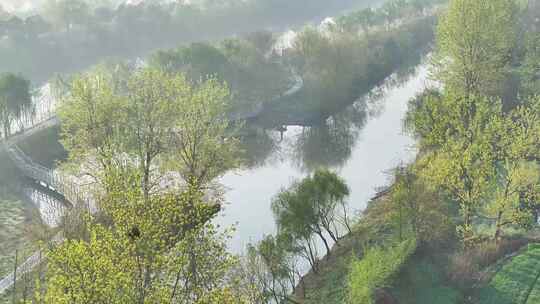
{"x":517,"y":182}
{"x":366,"y":18}
{"x":391,"y":10}
{"x":278,"y":272}
{"x":198,"y":61}
{"x":143,"y":254}
{"x":474,"y":43}
{"x":463,"y":160}
{"x":262,"y":41}
{"x":204,"y":143}
{"x":157,"y":120}
{"x":418,"y":210}
{"x":155,"y":101}
{"x":530,"y":68}
{"x":15,"y":101}
{"x":92,"y":125}
{"x":286,"y":207}
{"x":309,"y":207}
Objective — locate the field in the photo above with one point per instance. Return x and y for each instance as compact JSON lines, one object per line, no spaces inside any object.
{"x":516,"y":282}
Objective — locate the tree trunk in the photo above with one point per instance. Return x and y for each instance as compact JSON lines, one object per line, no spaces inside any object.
{"x":325,"y":242}
{"x":498,"y":230}
{"x":311,"y":257}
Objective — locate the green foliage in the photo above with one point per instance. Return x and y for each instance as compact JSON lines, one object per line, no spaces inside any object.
{"x":463,"y":163}
{"x":417,"y":210}
{"x":199,"y":61}
{"x":310,"y":207}
{"x":274,"y":268}
{"x":204,"y":140}
{"x":154,"y":249}
{"x":474,"y":43}
{"x":515,"y":281}
{"x":479,"y":154}
{"x":157,"y":120}
{"x":531,"y":65}
{"x":63,"y":14}
{"x":339,"y":66}
{"x":376,"y":269}
{"x":389,"y":12}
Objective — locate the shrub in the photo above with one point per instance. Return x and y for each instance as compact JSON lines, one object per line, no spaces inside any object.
{"x":376,"y":269}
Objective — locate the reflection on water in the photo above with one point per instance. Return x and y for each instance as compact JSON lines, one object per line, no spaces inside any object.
{"x":361,"y":144}
{"x":327,"y":145}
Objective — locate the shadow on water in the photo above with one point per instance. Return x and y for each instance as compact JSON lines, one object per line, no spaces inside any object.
{"x":324,"y":142}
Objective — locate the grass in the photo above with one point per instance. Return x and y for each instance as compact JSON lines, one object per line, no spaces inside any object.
{"x":13,"y":217}
{"x":534,"y":296}
{"x":329,"y":286}
{"x":422,"y":282}
{"x":516,"y":282}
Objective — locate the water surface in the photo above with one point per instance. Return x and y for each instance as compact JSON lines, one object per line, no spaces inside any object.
{"x":361,"y":144}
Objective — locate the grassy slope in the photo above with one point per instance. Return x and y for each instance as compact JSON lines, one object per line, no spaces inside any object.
{"x":329,"y":285}
{"x":516,"y":282}
{"x":422,"y":282}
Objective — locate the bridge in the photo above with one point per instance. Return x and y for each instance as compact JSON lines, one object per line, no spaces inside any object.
{"x":64,"y":186}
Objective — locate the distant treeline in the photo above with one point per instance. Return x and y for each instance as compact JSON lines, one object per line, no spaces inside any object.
{"x":71,"y":34}
{"x":340,"y":64}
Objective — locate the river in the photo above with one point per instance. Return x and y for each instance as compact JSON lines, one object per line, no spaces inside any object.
{"x":361,"y":144}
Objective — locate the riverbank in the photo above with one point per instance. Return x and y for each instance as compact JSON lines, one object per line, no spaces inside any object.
{"x":397,"y":51}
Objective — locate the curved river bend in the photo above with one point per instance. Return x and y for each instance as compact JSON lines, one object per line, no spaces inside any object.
{"x":364,"y":141}
{"x":373,"y":147}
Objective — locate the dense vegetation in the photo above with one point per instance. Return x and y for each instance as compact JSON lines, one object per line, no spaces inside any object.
{"x":153,"y":141}
{"x":347,"y":59}
{"x":477,"y":136}
{"x":69,"y":35}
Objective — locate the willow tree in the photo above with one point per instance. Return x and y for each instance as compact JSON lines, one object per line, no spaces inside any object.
{"x":311,"y":207}
{"x":475,"y":40}
{"x":15,"y":101}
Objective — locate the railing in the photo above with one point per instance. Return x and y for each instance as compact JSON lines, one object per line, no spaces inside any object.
{"x":61,"y":184}
{"x":26,"y":267}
